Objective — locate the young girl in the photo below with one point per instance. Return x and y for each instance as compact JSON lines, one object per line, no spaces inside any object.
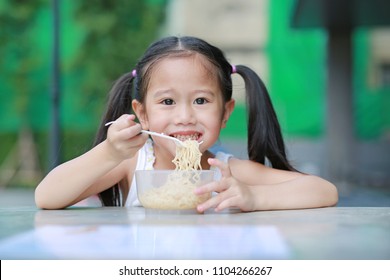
{"x":182,"y":87}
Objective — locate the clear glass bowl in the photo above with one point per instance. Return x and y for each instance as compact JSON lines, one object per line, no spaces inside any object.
{"x":170,"y":189}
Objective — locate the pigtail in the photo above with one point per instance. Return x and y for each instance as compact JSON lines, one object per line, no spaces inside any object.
{"x":119,"y":103}
{"x":265,"y":139}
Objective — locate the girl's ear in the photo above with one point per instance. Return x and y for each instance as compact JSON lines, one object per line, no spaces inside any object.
{"x":139,"y":111}
{"x":229,"y":107}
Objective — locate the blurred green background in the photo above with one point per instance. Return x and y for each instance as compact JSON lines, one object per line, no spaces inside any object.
{"x":101,"y":39}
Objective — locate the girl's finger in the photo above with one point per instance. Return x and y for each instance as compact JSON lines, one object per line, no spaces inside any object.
{"x":214,"y":201}
{"x":224,"y":167}
{"x":226,"y":203}
{"x":130,"y":132}
{"x":123,"y":121}
{"x":210,"y":187}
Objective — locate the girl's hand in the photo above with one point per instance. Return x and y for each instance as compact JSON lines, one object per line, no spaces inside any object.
{"x":124,"y":137}
{"x":231,"y":192}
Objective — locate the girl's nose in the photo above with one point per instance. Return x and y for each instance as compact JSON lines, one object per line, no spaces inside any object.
{"x":185,"y":115}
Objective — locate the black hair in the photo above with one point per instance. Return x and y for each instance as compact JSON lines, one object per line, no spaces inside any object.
{"x":265,"y":139}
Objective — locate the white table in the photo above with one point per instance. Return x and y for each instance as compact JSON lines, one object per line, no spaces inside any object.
{"x":133,"y":233}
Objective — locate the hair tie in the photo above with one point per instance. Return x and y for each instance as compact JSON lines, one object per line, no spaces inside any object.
{"x":234,"y":69}
{"x":134,"y":73}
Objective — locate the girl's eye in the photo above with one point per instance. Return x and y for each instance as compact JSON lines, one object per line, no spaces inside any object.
{"x":167,"y":101}
{"x":200,"y":101}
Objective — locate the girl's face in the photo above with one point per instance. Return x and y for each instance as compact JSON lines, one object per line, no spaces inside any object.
{"x":184,"y":100}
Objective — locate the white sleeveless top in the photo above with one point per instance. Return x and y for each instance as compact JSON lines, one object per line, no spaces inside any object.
{"x":146,"y":160}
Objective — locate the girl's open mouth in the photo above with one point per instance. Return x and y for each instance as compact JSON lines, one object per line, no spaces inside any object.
{"x":181,"y":137}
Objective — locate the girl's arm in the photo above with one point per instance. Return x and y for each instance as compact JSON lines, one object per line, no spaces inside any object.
{"x":94,"y":171}
{"x":252,"y":186}
{"x":77,"y":179}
